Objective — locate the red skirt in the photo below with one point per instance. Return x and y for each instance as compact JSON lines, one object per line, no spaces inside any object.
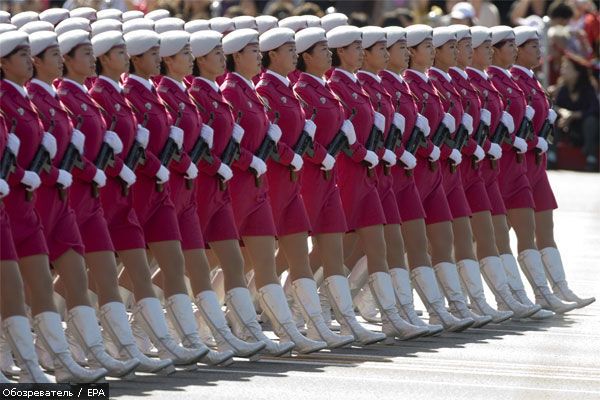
{"x":322,"y":201}
{"x":90,"y":218}
{"x":407,"y":195}
{"x":385,"y":188}
{"x":251,"y":205}
{"x":25,"y":223}
{"x":543,"y":195}
{"x":490,"y":180}
{"x":431,"y":189}
{"x":7,"y":247}
{"x":474,"y":187}
{"x":455,"y":193}
{"x":214,"y":210}
{"x":187,"y":212}
{"x":513,"y":182}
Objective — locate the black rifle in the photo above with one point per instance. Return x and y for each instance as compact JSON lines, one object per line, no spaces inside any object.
{"x":460,"y":139}
{"x":525,"y":132}
{"x":71,"y":158}
{"x":393,"y":140}
{"x":41,"y":161}
{"x":500,"y":136}
{"x":136,"y":156}
{"x":547,"y":133}
{"x":105,"y":157}
{"x":231,"y":153}
{"x":480,"y":135}
{"x":268,"y":148}
{"x":8,"y":163}
{"x":199,"y":151}
{"x":170,"y":151}
{"x":339,"y":143}
{"x":304,"y":145}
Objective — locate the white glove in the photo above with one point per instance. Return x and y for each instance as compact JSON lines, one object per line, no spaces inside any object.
{"x":142,"y":136}
{"x":258,"y":165}
{"x":520,"y":145}
{"x":237,"y":133}
{"x":389,"y":157}
{"x":408,"y":160}
{"x":485,"y":117}
{"x":348,"y":129}
{"x":13,"y":143}
{"x":423,"y":124}
{"x":225,"y":172}
{"x":192,"y":172}
{"x":529,"y":112}
{"x":552,"y":116}
{"x":274,"y":132}
{"x":379,"y":121}
{"x":207,"y":133}
{"x":495,"y":151}
{"x":456,"y":156}
{"x":4,"y":188}
{"x":371,"y":158}
{"x":310,"y":127}
{"x":64,"y":178}
{"x":127,"y":175}
{"x":49,"y":143}
{"x":78,"y":140}
{"x":297,"y":162}
{"x":328,"y":162}
{"x":508,"y":122}
{"x":435,"y":154}
{"x":542,"y":144}
{"x":176,"y":134}
{"x":449,"y":122}
{"x":467,"y":122}
{"x":479,"y":153}
{"x":31,"y":180}
{"x":163,"y":175}
{"x":100,"y":177}
{"x":399,"y":122}
{"x":114,"y":141}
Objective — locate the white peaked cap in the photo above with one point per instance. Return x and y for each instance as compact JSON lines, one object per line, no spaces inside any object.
{"x":138,"y":24}
{"x":71,"y":39}
{"x":105,"y":25}
{"x":221,"y":24}
{"x":307,"y":38}
{"x":105,"y":41}
{"x":196,"y":25}
{"x":203,"y":42}
{"x":169,"y":24}
{"x":36,"y":26}
{"x":265,"y":22}
{"x":139,"y":42}
{"x":442,"y":35}
{"x":275,"y":38}
{"x":372,"y":35}
{"x":330,"y":21}
{"x":7,"y":27}
{"x":394,"y":34}
{"x":84,"y":12}
{"x":41,"y":40}
{"x":4,"y":17}
{"x":158,"y":14}
{"x":72,"y":24}
{"x":416,"y":34}
{"x":461,"y":31}
{"x":24,"y":17}
{"x":172,"y":42}
{"x":295,"y":23}
{"x":501,"y":32}
{"x":524,"y":34}
{"x":479,"y":35}
{"x":132,"y":14}
{"x":239,"y":39}
{"x":109,"y":13}
{"x":244,"y":21}
{"x":9,"y":41}
{"x":312,"y":21}
{"x":343,"y":36}
{"x":54,"y":15}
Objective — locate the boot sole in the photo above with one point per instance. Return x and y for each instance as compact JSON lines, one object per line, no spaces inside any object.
{"x":585,"y":302}
{"x":372,"y":341}
{"x":250,"y":353}
{"x":461,"y":327}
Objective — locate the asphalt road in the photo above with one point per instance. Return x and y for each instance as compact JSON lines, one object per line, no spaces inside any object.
{"x":555,"y":359}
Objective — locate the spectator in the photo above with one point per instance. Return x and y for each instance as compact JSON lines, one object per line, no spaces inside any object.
{"x":309,"y":8}
{"x":576,"y":101}
{"x":279,"y":9}
{"x":399,"y":17}
{"x":463,"y":13}
{"x":234,"y":11}
{"x":587,"y":20}
{"x":358,"y":19}
{"x":560,"y":13}
{"x":525,"y":8}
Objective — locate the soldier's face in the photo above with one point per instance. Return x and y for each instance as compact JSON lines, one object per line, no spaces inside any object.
{"x":530,"y":54}
{"x":285,"y":56}
{"x":214,"y":62}
{"x":249,"y":58}
{"x":49,"y":63}
{"x":181,"y":64}
{"x":83,"y":62}
{"x":464,"y":52}
{"x":352,"y":55}
{"x":377,"y":56}
{"x":423,"y":54}
{"x":148,"y":63}
{"x":18,"y":66}
{"x":117,"y":59}
{"x":446,"y":54}
{"x":399,"y":55}
{"x":507,"y":54}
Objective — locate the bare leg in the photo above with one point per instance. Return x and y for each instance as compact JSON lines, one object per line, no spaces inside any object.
{"x":35,"y":271}
{"x":196,"y":265}
{"x":544,"y":229}
{"x":136,"y":265}
{"x":415,"y":237}
{"x":261,"y":252}
{"x":501,"y":233}
{"x":463,"y":239}
{"x":330,"y":253}
{"x":73,"y":279}
{"x":103,"y":271}
{"x":441,"y":240}
{"x":169,"y":256}
{"x":295,"y":250}
{"x":373,"y":242}
{"x":523,"y":222}
{"x":231,"y":261}
{"x":483,"y":231}
{"x":12,"y":295}
{"x":394,"y":246}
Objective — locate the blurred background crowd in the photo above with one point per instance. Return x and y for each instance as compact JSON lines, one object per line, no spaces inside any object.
{"x":570,"y":31}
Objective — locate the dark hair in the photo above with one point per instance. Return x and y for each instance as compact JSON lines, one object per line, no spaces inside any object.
{"x":98,"y":66}
{"x":279,"y":9}
{"x":266,"y":59}
{"x":309,"y":8}
{"x":234,"y":11}
{"x":500,"y":44}
{"x":196,"y":68}
{"x":358,"y":19}
{"x":583,"y":76}
{"x":70,"y":54}
{"x":409,"y":56}
{"x":12,"y":53}
{"x":398,"y":17}
{"x":41,"y":57}
{"x":301,"y":65}
{"x":559,"y":9}
{"x":229,"y":63}
{"x":163,"y":68}
{"x":335,"y":58}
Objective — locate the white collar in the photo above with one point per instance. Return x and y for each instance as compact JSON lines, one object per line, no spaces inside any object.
{"x":282,"y":78}
{"x":249,"y":82}
{"x":19,"y":88}
{"x":212,"y":84}
{"x":398,"y":77}
{"x":316,"y":78}
{"x":505,"y":71}
{"x":79,"y":85}
{"x":460,"y":72}
{"x":49,"y":88}
{"x":348,"y":74}
{"x":442,"y":73}
{"x":181,"y":85}
{"x":372,"y":75}
{"x":146,"y":82}
{"x":116,"y":85}
{"x":526,"y":70}
{"x":483,"y":74}
{"x":420,"y":74}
